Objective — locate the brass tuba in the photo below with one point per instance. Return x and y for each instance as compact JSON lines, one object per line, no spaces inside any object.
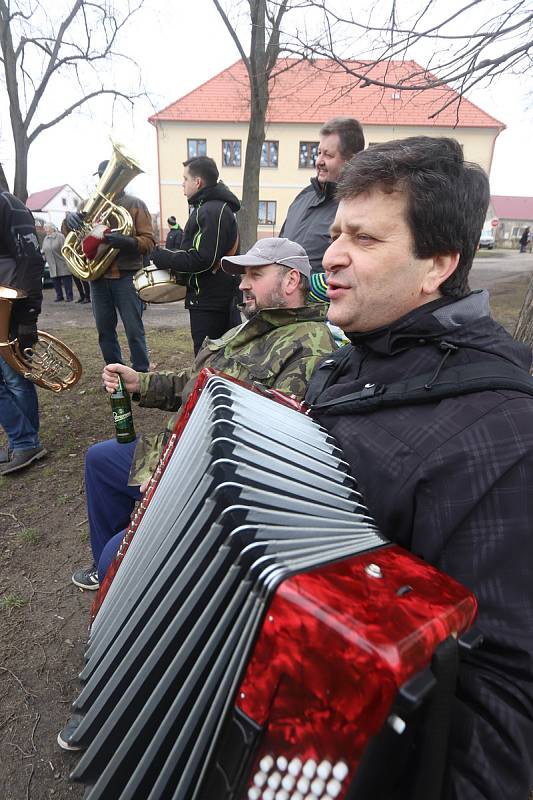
{"x":99,"y":208}
{"x":49,"y":363}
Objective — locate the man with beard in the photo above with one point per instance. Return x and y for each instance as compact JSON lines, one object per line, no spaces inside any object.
{"x":278,"y":345}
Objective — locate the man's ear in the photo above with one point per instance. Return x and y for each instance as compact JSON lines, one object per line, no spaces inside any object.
{"x":442,"y":267}
{"x":292,"y":281}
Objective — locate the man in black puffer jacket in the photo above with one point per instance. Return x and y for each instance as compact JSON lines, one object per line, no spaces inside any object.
{"x":450,"y":479}
{"x":210,"y":233}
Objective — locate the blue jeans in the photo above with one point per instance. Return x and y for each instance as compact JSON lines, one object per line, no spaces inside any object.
{"x":19,"y":409}
{"x":108,"y":295}
{"x":110,"y":500}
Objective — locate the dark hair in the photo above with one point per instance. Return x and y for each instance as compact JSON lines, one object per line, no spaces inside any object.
{"x":447,"y":197}
{"x":350,"y":133}
{"x":203,"y":167}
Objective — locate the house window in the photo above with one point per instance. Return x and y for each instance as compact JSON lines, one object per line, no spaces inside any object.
{"x":231,"y":152}
{"x":269,"y":154}
{"x":64,"y":200}
{"x":196,"y":147}
{"x":266,"y":214}
{"x":308,"y":154}
{"x":517,"y":231}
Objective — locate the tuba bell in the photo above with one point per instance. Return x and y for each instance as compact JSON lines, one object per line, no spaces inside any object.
{"x":100,"y":208}
{"x":49,"y":363}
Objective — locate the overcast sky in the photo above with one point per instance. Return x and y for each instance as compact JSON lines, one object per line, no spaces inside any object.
{"x":178,"y":46}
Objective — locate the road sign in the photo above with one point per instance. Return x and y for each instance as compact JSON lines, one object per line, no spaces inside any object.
{"x":494,"y":222}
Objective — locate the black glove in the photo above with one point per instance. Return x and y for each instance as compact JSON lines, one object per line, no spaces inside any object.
{"x":162,"y":257}
{"x":74,"y":220}
{"x":128,"y":244}
{"x":27,"y":335}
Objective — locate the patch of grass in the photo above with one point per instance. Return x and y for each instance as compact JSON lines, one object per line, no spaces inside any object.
{"x":28,"y":536}
{"x":11,"y":601}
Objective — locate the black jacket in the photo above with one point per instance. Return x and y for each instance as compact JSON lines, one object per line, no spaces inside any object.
{"x":21,"y":261}
{"x":452,"y":481}
{"x":210,"y":233}
{"x":309,"y":219}
{"x":174,"y":237}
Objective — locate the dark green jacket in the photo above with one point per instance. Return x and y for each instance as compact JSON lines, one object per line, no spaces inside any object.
{"x":278,"y":347}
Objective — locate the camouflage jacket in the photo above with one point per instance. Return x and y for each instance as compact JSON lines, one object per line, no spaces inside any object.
{"x":278,"y":347}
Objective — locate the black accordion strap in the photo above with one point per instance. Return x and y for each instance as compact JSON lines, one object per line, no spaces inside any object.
{"x":452,"y":381}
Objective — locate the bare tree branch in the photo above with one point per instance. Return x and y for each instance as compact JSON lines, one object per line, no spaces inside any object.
{"x":38,"y":50}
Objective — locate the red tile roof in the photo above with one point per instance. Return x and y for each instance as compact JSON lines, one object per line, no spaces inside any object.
{"x":307,"y":92}
{"x":38,"y":200}
{"x":519,"y":208}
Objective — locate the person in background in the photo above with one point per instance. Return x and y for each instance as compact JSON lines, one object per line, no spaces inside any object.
{"x":59,"y":271}
{"x":450,"y":478}
{"x":174,"y":235}
{"x":210,"y":233}
{"x":114,"y":290}
{"x":312,"y":212}
{"x":524,"y":240}
{"x":21,"y":267}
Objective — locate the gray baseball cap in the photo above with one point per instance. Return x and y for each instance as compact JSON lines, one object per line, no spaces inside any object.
{"x":269,"y":251}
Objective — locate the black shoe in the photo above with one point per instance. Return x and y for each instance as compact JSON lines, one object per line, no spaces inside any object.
{"x":58,"y":300}
{"x":64,"y":736}
{"x":19,"y":459}
{"x":86,"y":578}
{"x":81,"y":300}
{"x":87,"y":300}
{"x":5,"y":455}
{"x":68,"y":300}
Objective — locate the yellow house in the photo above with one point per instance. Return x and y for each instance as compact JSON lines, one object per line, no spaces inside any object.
{"x":213,"y":120}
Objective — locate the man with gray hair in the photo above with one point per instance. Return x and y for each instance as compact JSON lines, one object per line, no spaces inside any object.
{"x":312,"y":212}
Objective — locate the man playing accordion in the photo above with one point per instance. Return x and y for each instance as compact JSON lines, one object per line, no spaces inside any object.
{"x":447,"y":468}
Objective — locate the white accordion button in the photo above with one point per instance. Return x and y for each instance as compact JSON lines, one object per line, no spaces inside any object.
{"x":295,"y":767}
{"x":282,"y":763}
{"x":269,"y":794}
{"x":333,"y":788}
{"x":275,"y":780}
{"x":266,"y":763}
{"x":317,"y":787}
{"x":340,"y":771}
{"x":309,"y":769}
{"x":324,"y":770}
{"x":282,"y":795}
{"x":302,"y":785}
{"x":260,"y":778}
{"x":254,"y":793}
{"x":288,"y":782}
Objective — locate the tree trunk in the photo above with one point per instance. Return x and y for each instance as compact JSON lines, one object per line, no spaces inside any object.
{"x":250,"y":187}
{"x":524,"y":327}
{"x":20,"y":186}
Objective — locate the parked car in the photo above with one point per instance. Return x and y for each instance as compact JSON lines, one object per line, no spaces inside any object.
{"x":487,"y":239}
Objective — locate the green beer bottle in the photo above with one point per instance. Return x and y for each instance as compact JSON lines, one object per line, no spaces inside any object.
{"x":122,"y":416}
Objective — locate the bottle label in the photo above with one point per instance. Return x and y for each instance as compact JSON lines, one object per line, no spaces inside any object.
{"x":121,"y":416}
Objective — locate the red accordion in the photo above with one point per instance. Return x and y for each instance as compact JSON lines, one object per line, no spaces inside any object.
{"x":260,"y":639}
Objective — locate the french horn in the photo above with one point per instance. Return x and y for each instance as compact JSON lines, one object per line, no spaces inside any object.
{"x":49,"y":363}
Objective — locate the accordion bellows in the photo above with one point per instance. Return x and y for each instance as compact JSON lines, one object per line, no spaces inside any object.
{"x":259,"y":626}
